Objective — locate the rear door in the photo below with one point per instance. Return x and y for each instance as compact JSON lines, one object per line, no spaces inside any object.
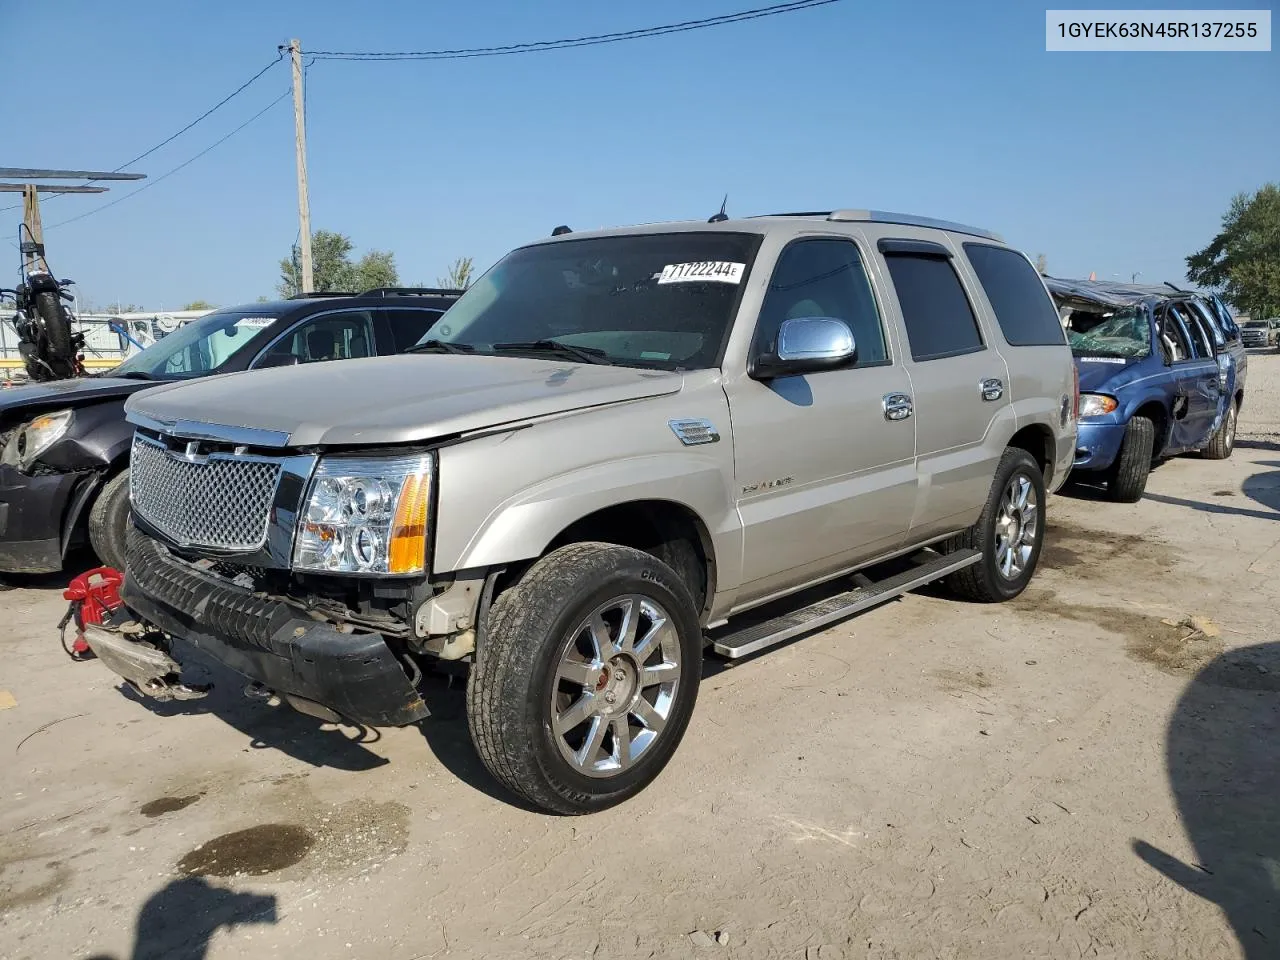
{"x":959,"y":383}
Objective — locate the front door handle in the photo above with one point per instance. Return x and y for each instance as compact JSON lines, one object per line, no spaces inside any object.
{"x":991,"y":389}
{"x":897,"y":406}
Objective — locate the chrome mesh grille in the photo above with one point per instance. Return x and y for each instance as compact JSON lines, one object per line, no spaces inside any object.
{"x":219,"y":502}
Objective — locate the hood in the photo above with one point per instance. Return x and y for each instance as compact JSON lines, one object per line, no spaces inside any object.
{"x":68,"y":393}
{"x":397,"y":399}
{"x":1107,"y":375}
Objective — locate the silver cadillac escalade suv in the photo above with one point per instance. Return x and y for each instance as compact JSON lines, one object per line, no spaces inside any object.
{"x":617,"y":453}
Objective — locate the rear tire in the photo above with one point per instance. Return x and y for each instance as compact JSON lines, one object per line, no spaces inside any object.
{"x":1128,"y":476}
{"x":1224,"y":440}
{"x":108,"y":520}
{"x":1011,"y":524}
{"x":566,"y":707}
{"x":57,"y":328}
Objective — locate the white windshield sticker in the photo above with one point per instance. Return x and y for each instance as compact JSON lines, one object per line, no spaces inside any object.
{"x":718,"y":271}
{"x":257,"y":322}
{"x":1104,"y":359}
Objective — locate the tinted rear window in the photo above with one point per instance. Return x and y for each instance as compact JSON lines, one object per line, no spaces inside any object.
{"x":1021,"y":304}
{"x":939,"y":320}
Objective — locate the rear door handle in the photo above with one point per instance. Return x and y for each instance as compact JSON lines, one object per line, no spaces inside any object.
{"x":897,"y":406}
{"x":991,"y":389}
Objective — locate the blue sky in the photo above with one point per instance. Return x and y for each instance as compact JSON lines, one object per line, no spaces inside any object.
{"x":1108,"y":162}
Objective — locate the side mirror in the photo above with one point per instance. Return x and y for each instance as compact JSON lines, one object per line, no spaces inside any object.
{"x":807,"y":345}
{"x":277,"y":360}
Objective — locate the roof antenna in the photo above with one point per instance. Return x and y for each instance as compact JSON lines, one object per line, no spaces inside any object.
{"x":561,"y":230}
{"x":1172,"y":287}
{"x":721,"y":216}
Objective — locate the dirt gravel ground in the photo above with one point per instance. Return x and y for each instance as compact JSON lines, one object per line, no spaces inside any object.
{"x":1090,"y":771}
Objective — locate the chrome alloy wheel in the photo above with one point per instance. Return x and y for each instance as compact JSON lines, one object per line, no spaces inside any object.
{"x":1017,"y":525}
{"x":615,"y":685}
{"x":1230,"y":438}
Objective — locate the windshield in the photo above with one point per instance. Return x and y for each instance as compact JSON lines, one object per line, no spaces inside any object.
{"x":1125,"y":333}
{"x":664,"y":301}
{"x":196,"y":348}
{"x":1255,"y":324}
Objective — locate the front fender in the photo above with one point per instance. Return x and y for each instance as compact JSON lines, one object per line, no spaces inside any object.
{"x":523,"y":526}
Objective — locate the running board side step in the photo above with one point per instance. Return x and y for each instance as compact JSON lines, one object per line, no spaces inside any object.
{"x":758,"y":636}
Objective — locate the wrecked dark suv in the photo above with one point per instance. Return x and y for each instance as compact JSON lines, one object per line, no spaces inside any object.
{"x":64,"y":444}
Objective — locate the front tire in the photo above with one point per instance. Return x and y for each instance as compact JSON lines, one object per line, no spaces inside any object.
{"x":108,"y":520}
{"x":1128,"y":479}
{"x":586,"y":678}
{"x":1224,"y":440}
{"x":1009,"y":533}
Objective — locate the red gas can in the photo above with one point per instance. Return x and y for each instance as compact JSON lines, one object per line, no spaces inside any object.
{"x":94,"y":596}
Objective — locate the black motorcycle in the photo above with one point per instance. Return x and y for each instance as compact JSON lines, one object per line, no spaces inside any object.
{"x":50,"y":348}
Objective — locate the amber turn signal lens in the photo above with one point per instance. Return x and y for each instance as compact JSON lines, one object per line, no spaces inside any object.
{"x":408,"y":550}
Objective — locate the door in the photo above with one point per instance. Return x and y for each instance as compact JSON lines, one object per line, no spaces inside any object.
{"x":824,"y":462}
{"x":1195,"y":376}
{"x":960,"y":384}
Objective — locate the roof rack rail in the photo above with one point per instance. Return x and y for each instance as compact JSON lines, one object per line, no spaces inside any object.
{"x":323,"y":293}
{"x":911,"y":220}
{"x":902,"y":219}
{"x":411,"y":292}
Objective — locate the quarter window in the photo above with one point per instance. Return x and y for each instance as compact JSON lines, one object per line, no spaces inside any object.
{"x":1018,"y":298}
{"x":823,"y":277}
{"x":936,"y":312}
{"x":409,"y":324}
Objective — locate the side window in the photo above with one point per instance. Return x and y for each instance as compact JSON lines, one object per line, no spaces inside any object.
{"x":1200,"y":341}
{"x":1173,"y":338}
{"x":1212,"y":328}
{"x":823,"y":277}
{"x":342,"y":335}
{"x":408,"y":324}
{"x":937,"y":314}
{"x":1021,"y":304}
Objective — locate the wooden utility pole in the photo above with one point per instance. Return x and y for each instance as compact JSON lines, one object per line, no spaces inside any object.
{"x":34,"y":231}
{"x":300,"y":142}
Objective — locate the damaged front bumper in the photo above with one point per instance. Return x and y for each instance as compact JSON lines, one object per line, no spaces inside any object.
{"x":1098,"y":444}
{"x":316,"y":666}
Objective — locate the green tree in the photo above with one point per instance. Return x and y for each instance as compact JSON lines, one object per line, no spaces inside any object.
{"x":459,"y":275}
{"x":1243,"y":260}
{"x":199,"y":305}
{"x":333,"y":269}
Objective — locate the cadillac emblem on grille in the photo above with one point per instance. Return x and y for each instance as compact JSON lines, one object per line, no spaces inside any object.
{"x":219,"y":501}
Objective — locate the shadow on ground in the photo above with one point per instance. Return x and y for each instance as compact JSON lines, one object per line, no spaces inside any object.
{"x":268,"y":727}
{"x":1223,"y":760}
{"x":1262,"y":488}
{"x":178,"y":921}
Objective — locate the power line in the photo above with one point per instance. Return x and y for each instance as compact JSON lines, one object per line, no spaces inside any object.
{"x":571,"y":42}
{"x":168,"y":140}
{"x":165,"y":176}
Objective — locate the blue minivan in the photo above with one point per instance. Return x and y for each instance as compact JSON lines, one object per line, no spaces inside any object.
{"x":1162,"y":372}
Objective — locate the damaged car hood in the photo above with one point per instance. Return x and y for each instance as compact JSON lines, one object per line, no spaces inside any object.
{"x":396,"y":399}
{"x":68,"y":393}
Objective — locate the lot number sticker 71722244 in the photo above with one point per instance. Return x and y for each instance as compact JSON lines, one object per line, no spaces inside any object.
{"x":707,"y":270}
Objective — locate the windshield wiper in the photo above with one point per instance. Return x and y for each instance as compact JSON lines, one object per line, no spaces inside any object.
{"x":131,"y":375}
{"x":581,"y":354}
{"x":441,"y":346}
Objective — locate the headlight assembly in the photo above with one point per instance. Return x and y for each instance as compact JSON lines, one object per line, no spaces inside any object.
{"x":365,"y":515}
{"x":35,"y":437}
{"x":1096,"y":404}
